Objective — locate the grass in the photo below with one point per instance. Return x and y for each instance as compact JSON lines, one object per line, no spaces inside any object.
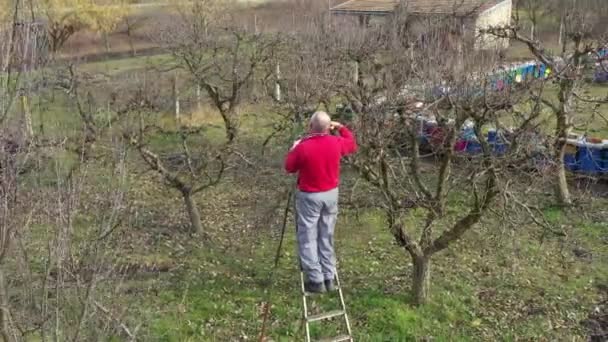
{"x":114,"y":67}
{"x":495,"y":284}
{"x":492,"y":285}
{"x":218,"y":296}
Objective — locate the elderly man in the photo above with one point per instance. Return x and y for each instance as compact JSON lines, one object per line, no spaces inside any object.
{"x":316,"y":159}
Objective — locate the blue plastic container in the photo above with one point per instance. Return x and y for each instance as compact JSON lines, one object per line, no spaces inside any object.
{"x":541,"y":70}
{"x":600,"y":76}
{"x":531,"y":69}
{"x":572,"y":157}
{"x":593,"y":159}
{"x":473,"y":147}
{"x":588,"y":164}
{"x":500,"y":149}
{"x":492,"y":136}
{"x":600,"y":156}
{"x":571,"y":162}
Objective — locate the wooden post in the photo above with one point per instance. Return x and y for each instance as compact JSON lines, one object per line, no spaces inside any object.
{"x":561,"y":31}
{"x":533,"y":31}
{"x":106,"y":42}
{"x":199,"y":102}
{"x":355,"y":72}
{"x":175,"y":97}
{"x":277,"y":85}
{"x":27,"y":117}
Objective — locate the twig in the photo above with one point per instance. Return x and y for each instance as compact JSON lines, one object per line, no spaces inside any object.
{"x":124,"y":328}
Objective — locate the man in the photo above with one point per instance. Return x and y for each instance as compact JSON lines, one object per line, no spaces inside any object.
{"x":316,"y":159}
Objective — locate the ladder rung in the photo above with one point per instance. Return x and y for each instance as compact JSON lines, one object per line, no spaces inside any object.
{"x":308,"y":294}
{"x":340,"y":338}
{"x":326,"y":315}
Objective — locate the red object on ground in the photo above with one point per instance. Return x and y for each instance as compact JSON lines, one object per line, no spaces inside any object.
{"x":460,"y":145}
{"x":317,"y":160}
{"x":437,"y":135}
{"x":594,"y":140}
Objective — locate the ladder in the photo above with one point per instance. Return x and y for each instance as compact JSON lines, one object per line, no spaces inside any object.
{"x":307,"y":319}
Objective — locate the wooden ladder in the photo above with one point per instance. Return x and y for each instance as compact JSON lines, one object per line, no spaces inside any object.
{"x":308,"y":319}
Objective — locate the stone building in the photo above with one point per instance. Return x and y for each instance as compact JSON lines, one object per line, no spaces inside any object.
{"x":470,"y":16}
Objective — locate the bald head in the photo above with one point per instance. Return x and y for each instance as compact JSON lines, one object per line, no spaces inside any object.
{"x":320,"y":122}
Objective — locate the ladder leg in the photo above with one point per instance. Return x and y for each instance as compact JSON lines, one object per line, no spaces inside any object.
{"x":305,"y":307}
{"x":348,"y":329}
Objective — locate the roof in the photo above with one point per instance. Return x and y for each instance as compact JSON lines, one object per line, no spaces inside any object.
{"x":422,"y":7}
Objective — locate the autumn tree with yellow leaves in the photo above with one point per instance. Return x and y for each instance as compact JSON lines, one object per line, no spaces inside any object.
{"x":66,"y":17}
{"x":63,"y":18}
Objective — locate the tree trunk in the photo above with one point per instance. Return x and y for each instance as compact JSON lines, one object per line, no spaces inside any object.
{"x":421,"y":279}
{"x":4,"y":327}
{"x":130,"y":36}
{"x":231,"y":124}
{"x":193,"y":213}
{"x":562,"y":192}
{"x":562,"y":130}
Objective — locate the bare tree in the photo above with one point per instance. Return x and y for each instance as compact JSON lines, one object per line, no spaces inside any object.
{"x":396,"y":89}
{"x":193,"y":177}
{"x":222,"y":59}
{"x":196,"y":166}
{"x":307,"y":80}
{"x":56,"y":298}
{"x":567,"y":71}
{"x":8,"y":206}
{"x":131,"y":24}
{"x":11,"y":76}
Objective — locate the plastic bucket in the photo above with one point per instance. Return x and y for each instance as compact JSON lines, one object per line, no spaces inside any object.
{"x":473,"y":147}
{"x":600,"y":156}
{"x":492,"y":136}
{"x":590,"y":161}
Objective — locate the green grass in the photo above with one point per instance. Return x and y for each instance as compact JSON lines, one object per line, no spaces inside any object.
{"x":488,"y":287}
{"x":493,"y":285}
{"x":114,"y":67}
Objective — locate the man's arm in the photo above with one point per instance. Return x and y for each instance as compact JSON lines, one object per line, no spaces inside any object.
{"x":348,"y":144}
{"x":291,"y":160}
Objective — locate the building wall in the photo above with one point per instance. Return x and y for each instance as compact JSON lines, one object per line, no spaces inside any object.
{"x":498,"y":15}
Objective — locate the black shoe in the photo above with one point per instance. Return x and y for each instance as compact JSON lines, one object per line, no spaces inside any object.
{"x":329,"y":285}
{"x":314,"y":287}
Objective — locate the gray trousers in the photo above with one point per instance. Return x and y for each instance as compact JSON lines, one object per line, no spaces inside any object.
{"x":316,"y":214}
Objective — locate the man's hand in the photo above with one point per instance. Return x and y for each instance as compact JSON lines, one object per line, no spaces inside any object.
{"x":295,"y":143}
{"x":335,"y":125}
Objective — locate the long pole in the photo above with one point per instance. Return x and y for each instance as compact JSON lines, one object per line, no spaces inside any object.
{"x":277,"y":258}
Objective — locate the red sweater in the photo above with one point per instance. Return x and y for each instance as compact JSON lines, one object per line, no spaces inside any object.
{"x":316,"y":158}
